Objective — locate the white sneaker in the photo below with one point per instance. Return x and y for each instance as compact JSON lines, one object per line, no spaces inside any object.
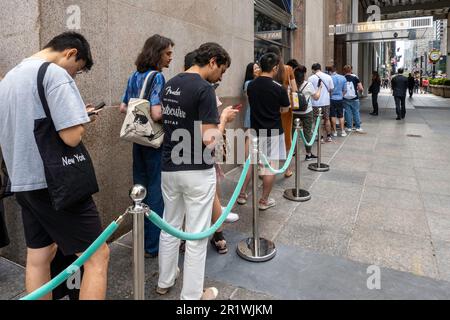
{"x":335,"y":134}
{"x":348,"y":129}
{"x":344,"y":134}
{"x":232,"y":217}
{"x":360,"y":130}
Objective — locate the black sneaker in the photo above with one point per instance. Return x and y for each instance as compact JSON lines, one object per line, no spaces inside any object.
{"x":310,"y":157}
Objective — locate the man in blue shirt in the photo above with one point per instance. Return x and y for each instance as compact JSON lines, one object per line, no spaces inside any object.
{"x":337,"y":101}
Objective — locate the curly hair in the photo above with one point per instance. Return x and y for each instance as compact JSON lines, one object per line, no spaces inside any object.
{"x":151,"y":54}
{"x":210,"y":50}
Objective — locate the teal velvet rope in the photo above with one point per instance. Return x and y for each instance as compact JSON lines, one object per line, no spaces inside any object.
{"x":288,"y":161}
{"x":63,"y":276}
{"x":314,"y":137}
{"x":163,"y":225}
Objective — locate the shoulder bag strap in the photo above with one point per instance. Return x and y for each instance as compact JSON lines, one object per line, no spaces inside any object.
{"x":323,"y":82}
{"x":41,"y":90}
{"x":151,"y":74}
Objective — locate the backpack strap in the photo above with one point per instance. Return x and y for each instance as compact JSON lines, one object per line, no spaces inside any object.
{"x":145,"y":88}
{"x":304,"y":87}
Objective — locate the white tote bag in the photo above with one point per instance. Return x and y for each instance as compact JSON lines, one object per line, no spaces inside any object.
{"x":139,"y":126}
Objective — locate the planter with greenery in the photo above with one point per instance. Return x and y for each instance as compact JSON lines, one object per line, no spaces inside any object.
{"x":440,"y":87}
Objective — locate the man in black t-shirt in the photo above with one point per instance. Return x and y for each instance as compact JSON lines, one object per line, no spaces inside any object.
{"x":191,"y":126}
{"x":268,"y":99}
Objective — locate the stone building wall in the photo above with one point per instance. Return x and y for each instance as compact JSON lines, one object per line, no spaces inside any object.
{"x":117,"y":30}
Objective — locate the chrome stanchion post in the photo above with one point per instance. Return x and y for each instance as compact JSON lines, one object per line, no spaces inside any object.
{"x":319,"y":166}
{"x":297,"y":194}
{"x":139,"y":210}
{"x":256,"y":249}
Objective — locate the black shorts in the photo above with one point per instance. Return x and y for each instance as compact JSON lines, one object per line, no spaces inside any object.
{"x":337,"y":109}
{"x":73,"y":229}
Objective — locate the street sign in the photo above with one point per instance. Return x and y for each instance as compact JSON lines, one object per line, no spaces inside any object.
{"x":270,"y":35}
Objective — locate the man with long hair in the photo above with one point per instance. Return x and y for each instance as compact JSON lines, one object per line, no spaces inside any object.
{"x":156,"y":55}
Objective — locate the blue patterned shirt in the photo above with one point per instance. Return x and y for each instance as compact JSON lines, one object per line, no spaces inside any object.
{"x":135,"y":84}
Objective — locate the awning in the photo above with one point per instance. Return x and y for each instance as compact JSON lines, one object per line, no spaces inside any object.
{"x":273,"y":11}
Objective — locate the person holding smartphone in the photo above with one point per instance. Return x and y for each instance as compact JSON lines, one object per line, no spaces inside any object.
{"x":73,"y":229}
{"x":317,"y":79}
{"x":218,"y":241}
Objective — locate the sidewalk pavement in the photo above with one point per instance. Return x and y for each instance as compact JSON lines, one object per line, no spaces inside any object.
{"x":385,"y":204}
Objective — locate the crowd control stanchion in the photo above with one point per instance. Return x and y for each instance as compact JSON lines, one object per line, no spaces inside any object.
{"x":139,"y":210}
{"x":256,"y":249}
{"x":297,"y":194}
{"x":319,"y":166}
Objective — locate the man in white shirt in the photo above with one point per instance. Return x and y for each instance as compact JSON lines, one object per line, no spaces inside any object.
{"x":324,"y":102}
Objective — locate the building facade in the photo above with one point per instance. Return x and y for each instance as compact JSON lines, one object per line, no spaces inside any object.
{"x":117,"y":31}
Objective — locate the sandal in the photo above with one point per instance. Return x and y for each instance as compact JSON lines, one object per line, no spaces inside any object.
{"x":242,"y":200}
{"x":265,"y":205}
{"x":219,"y":243}
{"x":289,"y":174}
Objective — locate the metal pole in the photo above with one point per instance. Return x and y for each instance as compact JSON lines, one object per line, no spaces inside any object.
{"x":138,"y":194}
{"x":319,"y":166}
{"x":319,"y":140}
{"x":255,"y":178}
{"x":256,"y":249}
{"x":297,"y":194}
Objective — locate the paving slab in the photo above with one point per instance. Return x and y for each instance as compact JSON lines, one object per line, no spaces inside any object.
{"x":12,"y":280}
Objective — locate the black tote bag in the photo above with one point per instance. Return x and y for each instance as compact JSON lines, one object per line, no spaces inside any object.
{"x":69,"y":171}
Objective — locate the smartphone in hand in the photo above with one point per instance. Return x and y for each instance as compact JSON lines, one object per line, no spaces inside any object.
{"x":319,"y":83}
{"x":100,"y":106}
{"x":237,"y":107}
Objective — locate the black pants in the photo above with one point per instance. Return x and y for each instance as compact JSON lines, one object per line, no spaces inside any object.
{"x":4,"y":239}
{"x":375,"y":102}
{"x":411,"y":92}
{"x":400,"y":106}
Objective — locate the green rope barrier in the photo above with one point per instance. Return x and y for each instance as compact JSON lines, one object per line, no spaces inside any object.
{"x":63,"y":276}
{"x":288,"y":161}
{"x":314,"y":137}
{"x":163,"y":225}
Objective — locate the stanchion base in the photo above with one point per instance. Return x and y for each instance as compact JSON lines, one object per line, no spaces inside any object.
{"x":302,"y":196}
{"x":267,"y":250}
{"x":319,"y":168}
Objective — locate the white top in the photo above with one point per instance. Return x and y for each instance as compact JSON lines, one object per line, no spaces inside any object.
{"x":328,"y":85}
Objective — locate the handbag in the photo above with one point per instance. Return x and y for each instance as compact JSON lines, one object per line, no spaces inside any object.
{"x":69,"y":171}
{"x":138,"y":126}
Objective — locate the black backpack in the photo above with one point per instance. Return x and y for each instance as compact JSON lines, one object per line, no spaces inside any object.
{"x":302,"y":101}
